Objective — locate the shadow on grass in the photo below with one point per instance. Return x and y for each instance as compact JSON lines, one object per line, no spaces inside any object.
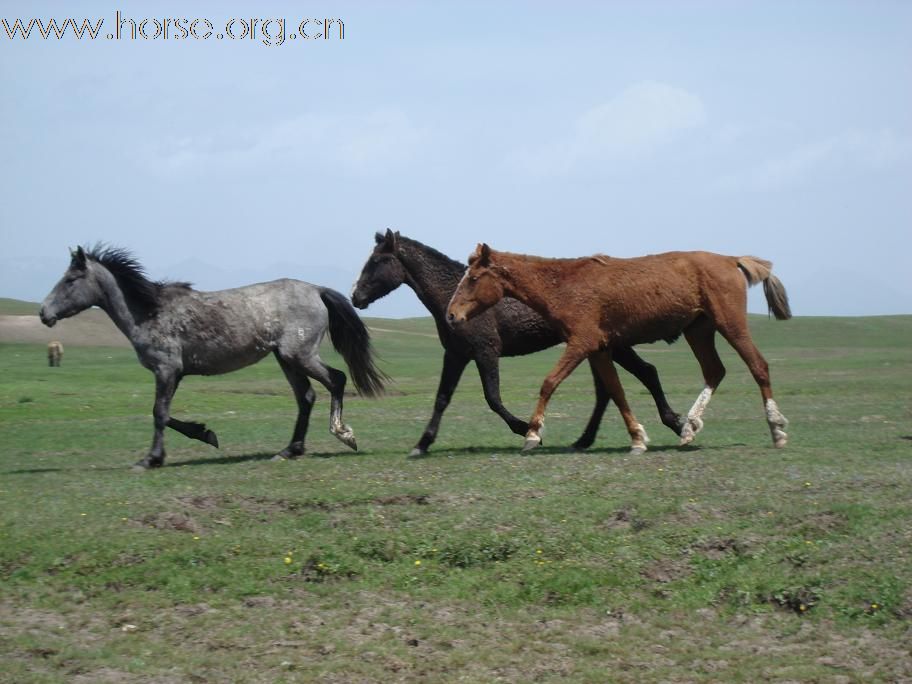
{"x":568,"y":450}
{"x":262,"y":456}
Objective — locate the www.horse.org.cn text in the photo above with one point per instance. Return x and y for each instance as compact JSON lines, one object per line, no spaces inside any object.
{"x":268,"y":31}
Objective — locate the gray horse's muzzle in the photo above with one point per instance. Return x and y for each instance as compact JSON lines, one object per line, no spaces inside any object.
{"x":47,"y":319}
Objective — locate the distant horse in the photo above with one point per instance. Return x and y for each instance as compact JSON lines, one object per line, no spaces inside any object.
{"x":55,"y":353}
{"x":178,"y":331}
{"x":600,"y":303}
{"x":511,"y":329}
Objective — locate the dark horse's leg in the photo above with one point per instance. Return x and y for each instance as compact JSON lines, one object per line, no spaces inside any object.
{"x":305,"y":397}
{"x":194,"y":431}
{"x":453,"y":365}
{"x":646,"y":373}
{"x":489,"y":370}
{"x":601,"y":402}
{"x":165,"y":386}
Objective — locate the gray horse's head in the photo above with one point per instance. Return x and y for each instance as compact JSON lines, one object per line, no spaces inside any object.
{"x":382,"y":273}
{"x":76,"y":291}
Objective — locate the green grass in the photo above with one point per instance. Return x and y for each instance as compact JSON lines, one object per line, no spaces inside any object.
{"x":16,"y":307}
{"x":729,"y":561}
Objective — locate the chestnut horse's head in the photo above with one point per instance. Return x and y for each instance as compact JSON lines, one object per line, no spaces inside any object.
{"x":480,"y":288}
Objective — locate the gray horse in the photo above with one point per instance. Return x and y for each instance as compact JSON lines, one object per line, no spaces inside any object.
{"x":178,"y":331}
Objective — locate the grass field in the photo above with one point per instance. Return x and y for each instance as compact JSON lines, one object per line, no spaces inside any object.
{"x":725,"y":562}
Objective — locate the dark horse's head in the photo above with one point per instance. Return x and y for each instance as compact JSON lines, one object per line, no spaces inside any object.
{"x":480,"y":288}
{"x":382,"y":273}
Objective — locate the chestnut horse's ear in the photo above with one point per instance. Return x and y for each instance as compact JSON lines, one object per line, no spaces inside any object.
{"x":484,"y":253}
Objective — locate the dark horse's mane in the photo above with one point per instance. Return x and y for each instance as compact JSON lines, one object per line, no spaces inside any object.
{"x":440,"y":256}
{"x":131,"y":276}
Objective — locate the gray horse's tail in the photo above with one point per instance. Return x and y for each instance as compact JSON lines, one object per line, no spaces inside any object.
{"x":352,"y":340}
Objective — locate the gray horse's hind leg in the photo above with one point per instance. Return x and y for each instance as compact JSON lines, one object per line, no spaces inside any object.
{"x":194,"y":431}
{"x":333,"y":380}
{"x":305,"y":396}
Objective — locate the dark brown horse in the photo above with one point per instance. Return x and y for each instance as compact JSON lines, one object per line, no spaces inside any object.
{"x":600,"y":303}
{"x":509,"y":329}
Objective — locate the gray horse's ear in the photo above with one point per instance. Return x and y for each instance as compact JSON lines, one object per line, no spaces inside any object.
{"x":79,"y":257}
{"x":379,"y":237}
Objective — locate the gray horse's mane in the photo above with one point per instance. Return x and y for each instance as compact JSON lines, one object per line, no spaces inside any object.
{"x":131,"y":276}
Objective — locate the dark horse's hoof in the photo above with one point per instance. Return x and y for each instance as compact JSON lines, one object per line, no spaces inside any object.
{"x":209,"y":437}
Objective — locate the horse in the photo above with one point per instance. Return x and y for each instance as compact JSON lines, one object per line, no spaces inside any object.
{"x":510,"y":329}
{"x":55,"y":353}
{"x":178,"y":331}
{"x":599,"y":303}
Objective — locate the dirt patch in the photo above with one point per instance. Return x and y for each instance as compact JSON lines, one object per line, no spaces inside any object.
{"x":666,"y":570}
{"x":719,"y":548}
{"x":625,"y":519}
{"x":171,"y":521}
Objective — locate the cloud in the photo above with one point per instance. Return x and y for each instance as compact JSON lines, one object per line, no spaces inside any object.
{"x":867,"y":150}
{"x":630,"y":126}
{"x":359,"y":144}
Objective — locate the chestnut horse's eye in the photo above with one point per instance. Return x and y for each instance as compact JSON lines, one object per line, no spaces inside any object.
{"x":473,"y":279}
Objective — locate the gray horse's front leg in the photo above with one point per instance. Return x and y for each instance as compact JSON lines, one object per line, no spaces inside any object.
{"x":489,"y":371}
{"x":165,"y":386}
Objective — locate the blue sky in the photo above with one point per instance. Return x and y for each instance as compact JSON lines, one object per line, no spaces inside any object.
{"x":777,"y":129}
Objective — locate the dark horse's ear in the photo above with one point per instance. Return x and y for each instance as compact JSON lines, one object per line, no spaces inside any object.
{"x":392,"y":239}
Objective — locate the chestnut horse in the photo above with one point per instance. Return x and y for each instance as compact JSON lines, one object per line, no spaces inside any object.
{"x":600,"y":302}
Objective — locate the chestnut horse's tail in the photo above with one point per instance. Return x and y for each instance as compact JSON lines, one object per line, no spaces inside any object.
{"x":760,"y":270}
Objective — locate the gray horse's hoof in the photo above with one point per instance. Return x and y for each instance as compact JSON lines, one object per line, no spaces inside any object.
{"x":347,"y":437}
{"x":145,"y":464}
{"x":209,"y":437}
{"x":417,"y":452}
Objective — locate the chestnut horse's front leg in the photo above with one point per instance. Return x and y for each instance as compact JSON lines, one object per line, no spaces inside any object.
{"x":572,"y":357}
{"x":602,"y":362}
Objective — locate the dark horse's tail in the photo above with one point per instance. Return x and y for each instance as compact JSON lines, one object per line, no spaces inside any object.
{"x":757,"y":270}
{"x":352,"y":340}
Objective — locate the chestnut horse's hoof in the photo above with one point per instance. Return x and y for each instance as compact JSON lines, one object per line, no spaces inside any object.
{"x":531,"y":442}
{"x":637,"y":450}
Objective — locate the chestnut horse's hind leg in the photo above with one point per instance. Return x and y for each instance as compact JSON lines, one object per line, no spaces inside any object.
{"x":740,"y":339}
{"x":571,"y":358}
{"x":701,"y":338}
{"x":638,"y":437}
